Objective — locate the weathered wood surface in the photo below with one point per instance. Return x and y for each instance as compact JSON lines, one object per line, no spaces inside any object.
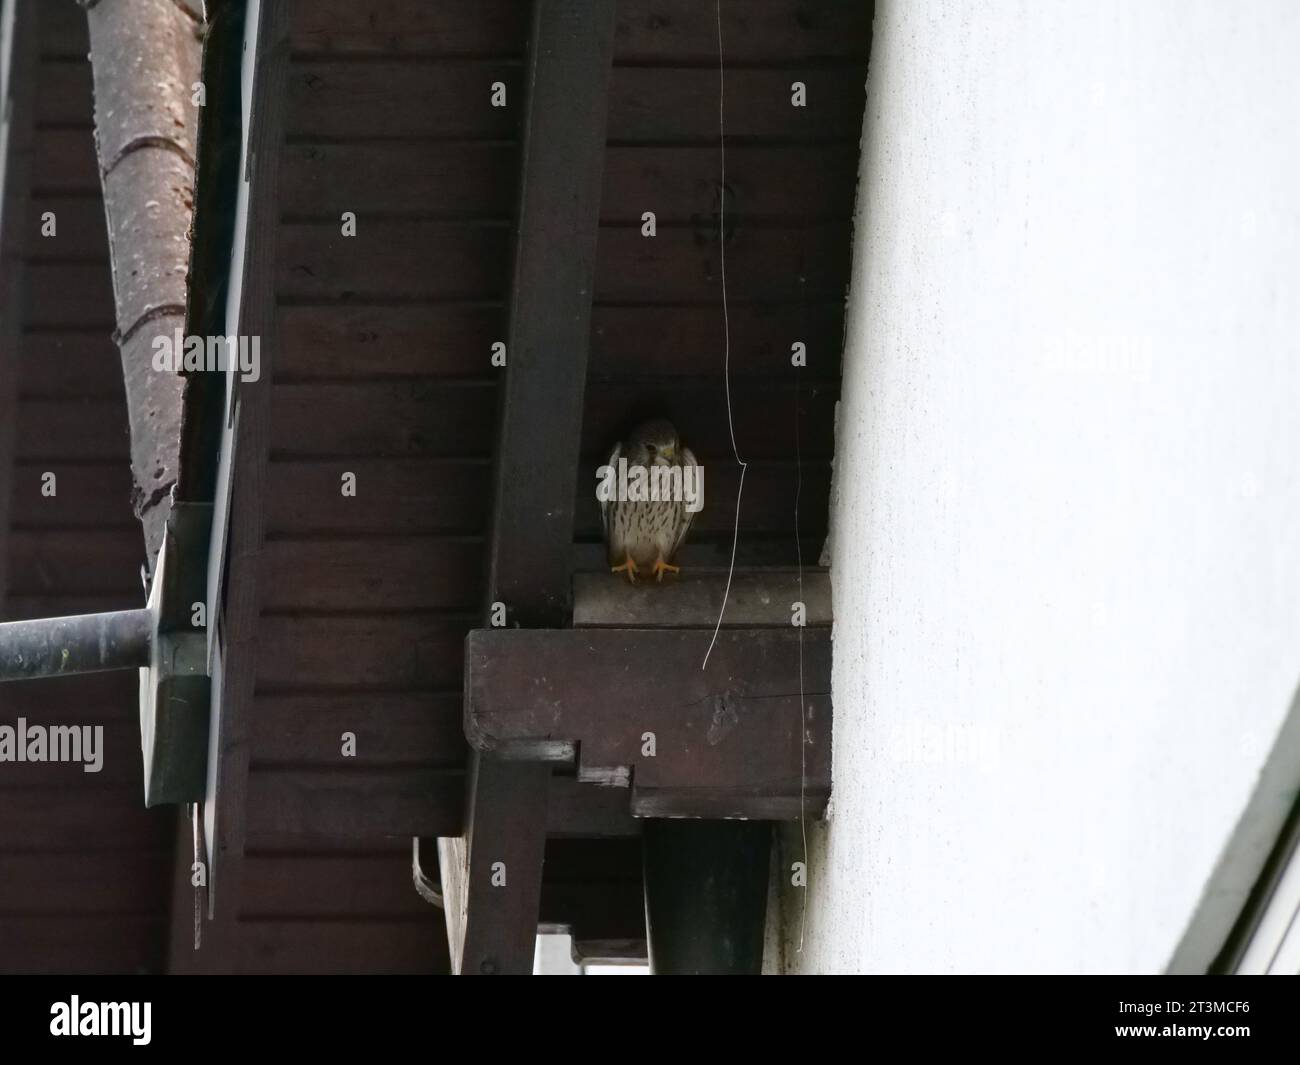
{"x":86,"y":944}
{"x":81,"y":862}
{"x":391,"y":729}
{"x":492,"y":925}
{"x":405,"y":573}
{"x":727,"y":737}
{"x":401,"y":497}
{"x":471,"y":179}
{"x":324,"y":341}
{"x":392,"y":651}
{"x":463,"y":261}
{"x":308,"y":947}
{"x":435,"y":419}
{"x":694,"y":599}
{"x":243,"y":646}
{"x":646,"y":30}
{"x":370,"y":98}
{"x":361,"y":803}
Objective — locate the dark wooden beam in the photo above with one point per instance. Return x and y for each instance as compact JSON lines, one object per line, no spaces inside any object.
{"x":726,"y":739}
{"x":755,"y":599}
{"x":492,"y":923}
{"x":235,"y":668}
{"x":16,"y":123}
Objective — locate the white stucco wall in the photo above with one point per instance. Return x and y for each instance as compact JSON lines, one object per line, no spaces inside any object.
{"x":1066,"y":556}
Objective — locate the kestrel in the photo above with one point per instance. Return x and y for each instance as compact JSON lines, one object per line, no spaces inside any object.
{"x":647,"y":531}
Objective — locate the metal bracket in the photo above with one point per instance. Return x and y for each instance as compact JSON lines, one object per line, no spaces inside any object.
{"x":175,"y":693}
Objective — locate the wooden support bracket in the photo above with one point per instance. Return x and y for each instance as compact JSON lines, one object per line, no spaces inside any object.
{"x":633,"y":708}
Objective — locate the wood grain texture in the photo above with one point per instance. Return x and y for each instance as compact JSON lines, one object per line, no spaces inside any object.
{"x":728,"y":736}
{"x":401,"y":496}
{"x":357,"y":803}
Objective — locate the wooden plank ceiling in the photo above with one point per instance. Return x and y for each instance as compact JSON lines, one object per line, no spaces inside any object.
{"x":83,"y":866}
{"x":381,"y":369}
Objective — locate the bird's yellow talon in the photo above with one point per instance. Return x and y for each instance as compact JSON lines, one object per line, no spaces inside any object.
{"x":628,"y":567}
{"x":661,"y":567}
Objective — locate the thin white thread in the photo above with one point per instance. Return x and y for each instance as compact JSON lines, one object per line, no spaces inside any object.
{"x":726,"y":327}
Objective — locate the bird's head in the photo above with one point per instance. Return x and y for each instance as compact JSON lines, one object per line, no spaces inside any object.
{"x":653,"y":442}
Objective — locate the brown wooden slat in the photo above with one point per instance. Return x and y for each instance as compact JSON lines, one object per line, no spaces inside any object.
{"x":119,"y":883}
{"x":80,"y":560}
{"x":478,"y":179}
{"x":70,"y":296}
{"x":342,"y":341}
{"x":80,"y":229}
{"x":90,"y":698}
{"x":397,"y":497}
{"x":681,"y":105}
{"x":71,"y":365}
{"x":764,"y":416}
{"x":89,"y":496}
{"x":392,"y":574}
{"x":753,"y":31}
{"x":63,"y":30}
{"x":330,"y":342}
{"x":86,"y":820}
{"x":681,"y":184}
{"x":447,"y":28}
{"x":392,"y":259}
{"x":346,"y":652}
{"x":792,"y":263}
{"x":66,"y":945}
{"x":119,"y":749}
{"x":472,"y":178}
{"x":328,"y":98}
{"x":311,"y":947}
{"x":350,"y":887}
{"x":69,"y":430}
{"x":423,"y":419}
{"x":64,"y":160}
{"x":356,"y":803}
{"x":674,"y":341}
{"x":63,"y":94}
{"x":390,"y":729}
{"x":431,"y":419}
{"x":647,"y":30}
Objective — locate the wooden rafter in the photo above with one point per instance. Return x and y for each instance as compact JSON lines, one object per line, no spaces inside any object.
{"x":16,"y":38}
{"x":235,"y":666}
{"x":492,"y":923}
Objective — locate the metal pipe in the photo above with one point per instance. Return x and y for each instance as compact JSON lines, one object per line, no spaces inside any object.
{"x":82,"y":643}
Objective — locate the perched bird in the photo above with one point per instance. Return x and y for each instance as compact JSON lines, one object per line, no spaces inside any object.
{"x":659,"y":490}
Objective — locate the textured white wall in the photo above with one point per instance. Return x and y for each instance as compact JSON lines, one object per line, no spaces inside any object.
{"x":1067,"y":526}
